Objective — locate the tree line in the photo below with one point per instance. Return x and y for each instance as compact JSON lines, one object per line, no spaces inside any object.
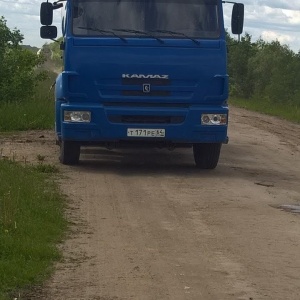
{"x":268,"y":71}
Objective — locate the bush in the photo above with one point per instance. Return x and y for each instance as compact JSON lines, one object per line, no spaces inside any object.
{"x":18,"y":66}
{"x":263,"y":70}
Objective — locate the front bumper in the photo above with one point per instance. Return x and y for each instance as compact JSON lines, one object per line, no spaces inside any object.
{"x":109,"y":125}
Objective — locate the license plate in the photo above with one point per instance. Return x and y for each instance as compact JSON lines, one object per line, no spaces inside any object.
{"x":149,"y":133}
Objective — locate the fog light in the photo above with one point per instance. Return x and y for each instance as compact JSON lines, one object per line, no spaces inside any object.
{"x":214,"y":119}
{"x":77,"y":116}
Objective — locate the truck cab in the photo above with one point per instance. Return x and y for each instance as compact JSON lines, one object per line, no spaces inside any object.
{"x":142,"y":73}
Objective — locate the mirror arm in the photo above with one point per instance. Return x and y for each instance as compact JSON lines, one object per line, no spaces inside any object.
{"x":57,"y":6}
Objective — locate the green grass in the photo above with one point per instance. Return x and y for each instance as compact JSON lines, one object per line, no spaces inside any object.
{"x":31,"y":224}
{"x":31,"y":207}
{"x":288,"y":112}
{"x":46,"y":168}
{"x":30,"y":114}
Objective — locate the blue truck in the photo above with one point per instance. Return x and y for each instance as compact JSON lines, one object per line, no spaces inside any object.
{"x":149,"y":73}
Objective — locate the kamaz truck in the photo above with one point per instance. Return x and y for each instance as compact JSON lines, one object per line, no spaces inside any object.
{"x":148,"y":73}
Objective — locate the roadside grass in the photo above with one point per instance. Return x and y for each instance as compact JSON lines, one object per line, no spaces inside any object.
{"x":31,"y":224}
{"x":288,"y":112}
{"x":30,"y":114}
{"x":46,"y":168}
{"x":31,"y":208}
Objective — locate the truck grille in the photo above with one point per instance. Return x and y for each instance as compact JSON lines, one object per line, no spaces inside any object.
{"x":141,"y":81}
{"x":141,"y":93}
{"x":136,"y":85}
{"x":146,"y":119}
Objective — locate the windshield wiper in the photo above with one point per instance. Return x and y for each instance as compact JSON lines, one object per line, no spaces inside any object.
{"x":104,"y":31}
{"x":146,"y":33}
{"x":175,"y":33}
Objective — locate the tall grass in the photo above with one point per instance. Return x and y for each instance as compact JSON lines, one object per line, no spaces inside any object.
{"x":31,"y":223}
{"x":288,"y":112}
{"x":31,"y":207}
{"x":29,"y":114}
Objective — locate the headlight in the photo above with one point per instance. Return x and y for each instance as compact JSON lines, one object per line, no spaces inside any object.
{"x":77,"y":116}
{"x":214,"y":119}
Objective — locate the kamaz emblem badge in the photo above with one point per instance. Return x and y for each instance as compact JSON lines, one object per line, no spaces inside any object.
{"x":146,"y":88}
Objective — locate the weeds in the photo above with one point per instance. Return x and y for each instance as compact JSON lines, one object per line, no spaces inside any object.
{"x":46,"y":168}
{"x":40,"y":157}
{"x":31,"y":223}
{"x":31,"y":207}
{"x":29,"y":114}
{"x":288,"y":112}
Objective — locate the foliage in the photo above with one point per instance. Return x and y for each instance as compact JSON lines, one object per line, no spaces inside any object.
{"x":287,"y":112}
{"x":239,"y":55}
{"x":35,"y":113}
{"x":268,"y":71}
{"x":52,"y":56}
{"x":31,"y":223}
{"x":56,"y":52}
{"x":32,"y":49}
{"x":18,"y":73}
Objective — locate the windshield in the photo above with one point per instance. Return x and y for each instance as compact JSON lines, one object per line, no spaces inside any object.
{"x":159,"y":18}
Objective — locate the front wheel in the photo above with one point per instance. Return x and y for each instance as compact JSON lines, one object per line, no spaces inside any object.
{"x":69,"y":153}
{"x":207,"y":155}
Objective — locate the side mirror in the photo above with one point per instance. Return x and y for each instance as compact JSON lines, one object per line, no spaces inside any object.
{"x":46,"y":13}
{"x":237,"y":19}
{"x":48,"y":32}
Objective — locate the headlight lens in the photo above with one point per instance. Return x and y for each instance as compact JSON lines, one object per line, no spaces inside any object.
{"x":77,"y":116}
{"x":214,"y":119}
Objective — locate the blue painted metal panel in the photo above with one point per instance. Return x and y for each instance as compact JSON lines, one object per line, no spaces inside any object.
{"x":94,"y":78}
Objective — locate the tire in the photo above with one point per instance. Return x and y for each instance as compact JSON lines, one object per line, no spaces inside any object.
{"x":207,"y":155}
{"x":69,"y":153}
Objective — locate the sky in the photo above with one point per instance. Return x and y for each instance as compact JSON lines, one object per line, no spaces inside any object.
{"x":268,"y":19}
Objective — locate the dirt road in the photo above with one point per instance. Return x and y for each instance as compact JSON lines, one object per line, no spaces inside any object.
{"x":148,"y":226}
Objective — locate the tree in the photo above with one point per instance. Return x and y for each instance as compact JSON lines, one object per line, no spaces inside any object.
{"x":275,"y":68}
{"x":56,"y":52}
{"x":238,"y":65}
{"x":18,"y":66}
{"x":268,"y":71}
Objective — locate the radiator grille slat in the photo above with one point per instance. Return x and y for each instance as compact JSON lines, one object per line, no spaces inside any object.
{"x":141,"y":81}
{"x":150,"y":94}
{"x":126,"y":119}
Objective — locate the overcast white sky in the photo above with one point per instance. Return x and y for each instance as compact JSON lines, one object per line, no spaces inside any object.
{"x":269,"y":19}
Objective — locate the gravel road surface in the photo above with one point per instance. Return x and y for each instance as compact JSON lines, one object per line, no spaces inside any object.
{"x":147,"y":225}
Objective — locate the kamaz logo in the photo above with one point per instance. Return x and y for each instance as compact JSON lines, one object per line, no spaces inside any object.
{"x":142,"y":76}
